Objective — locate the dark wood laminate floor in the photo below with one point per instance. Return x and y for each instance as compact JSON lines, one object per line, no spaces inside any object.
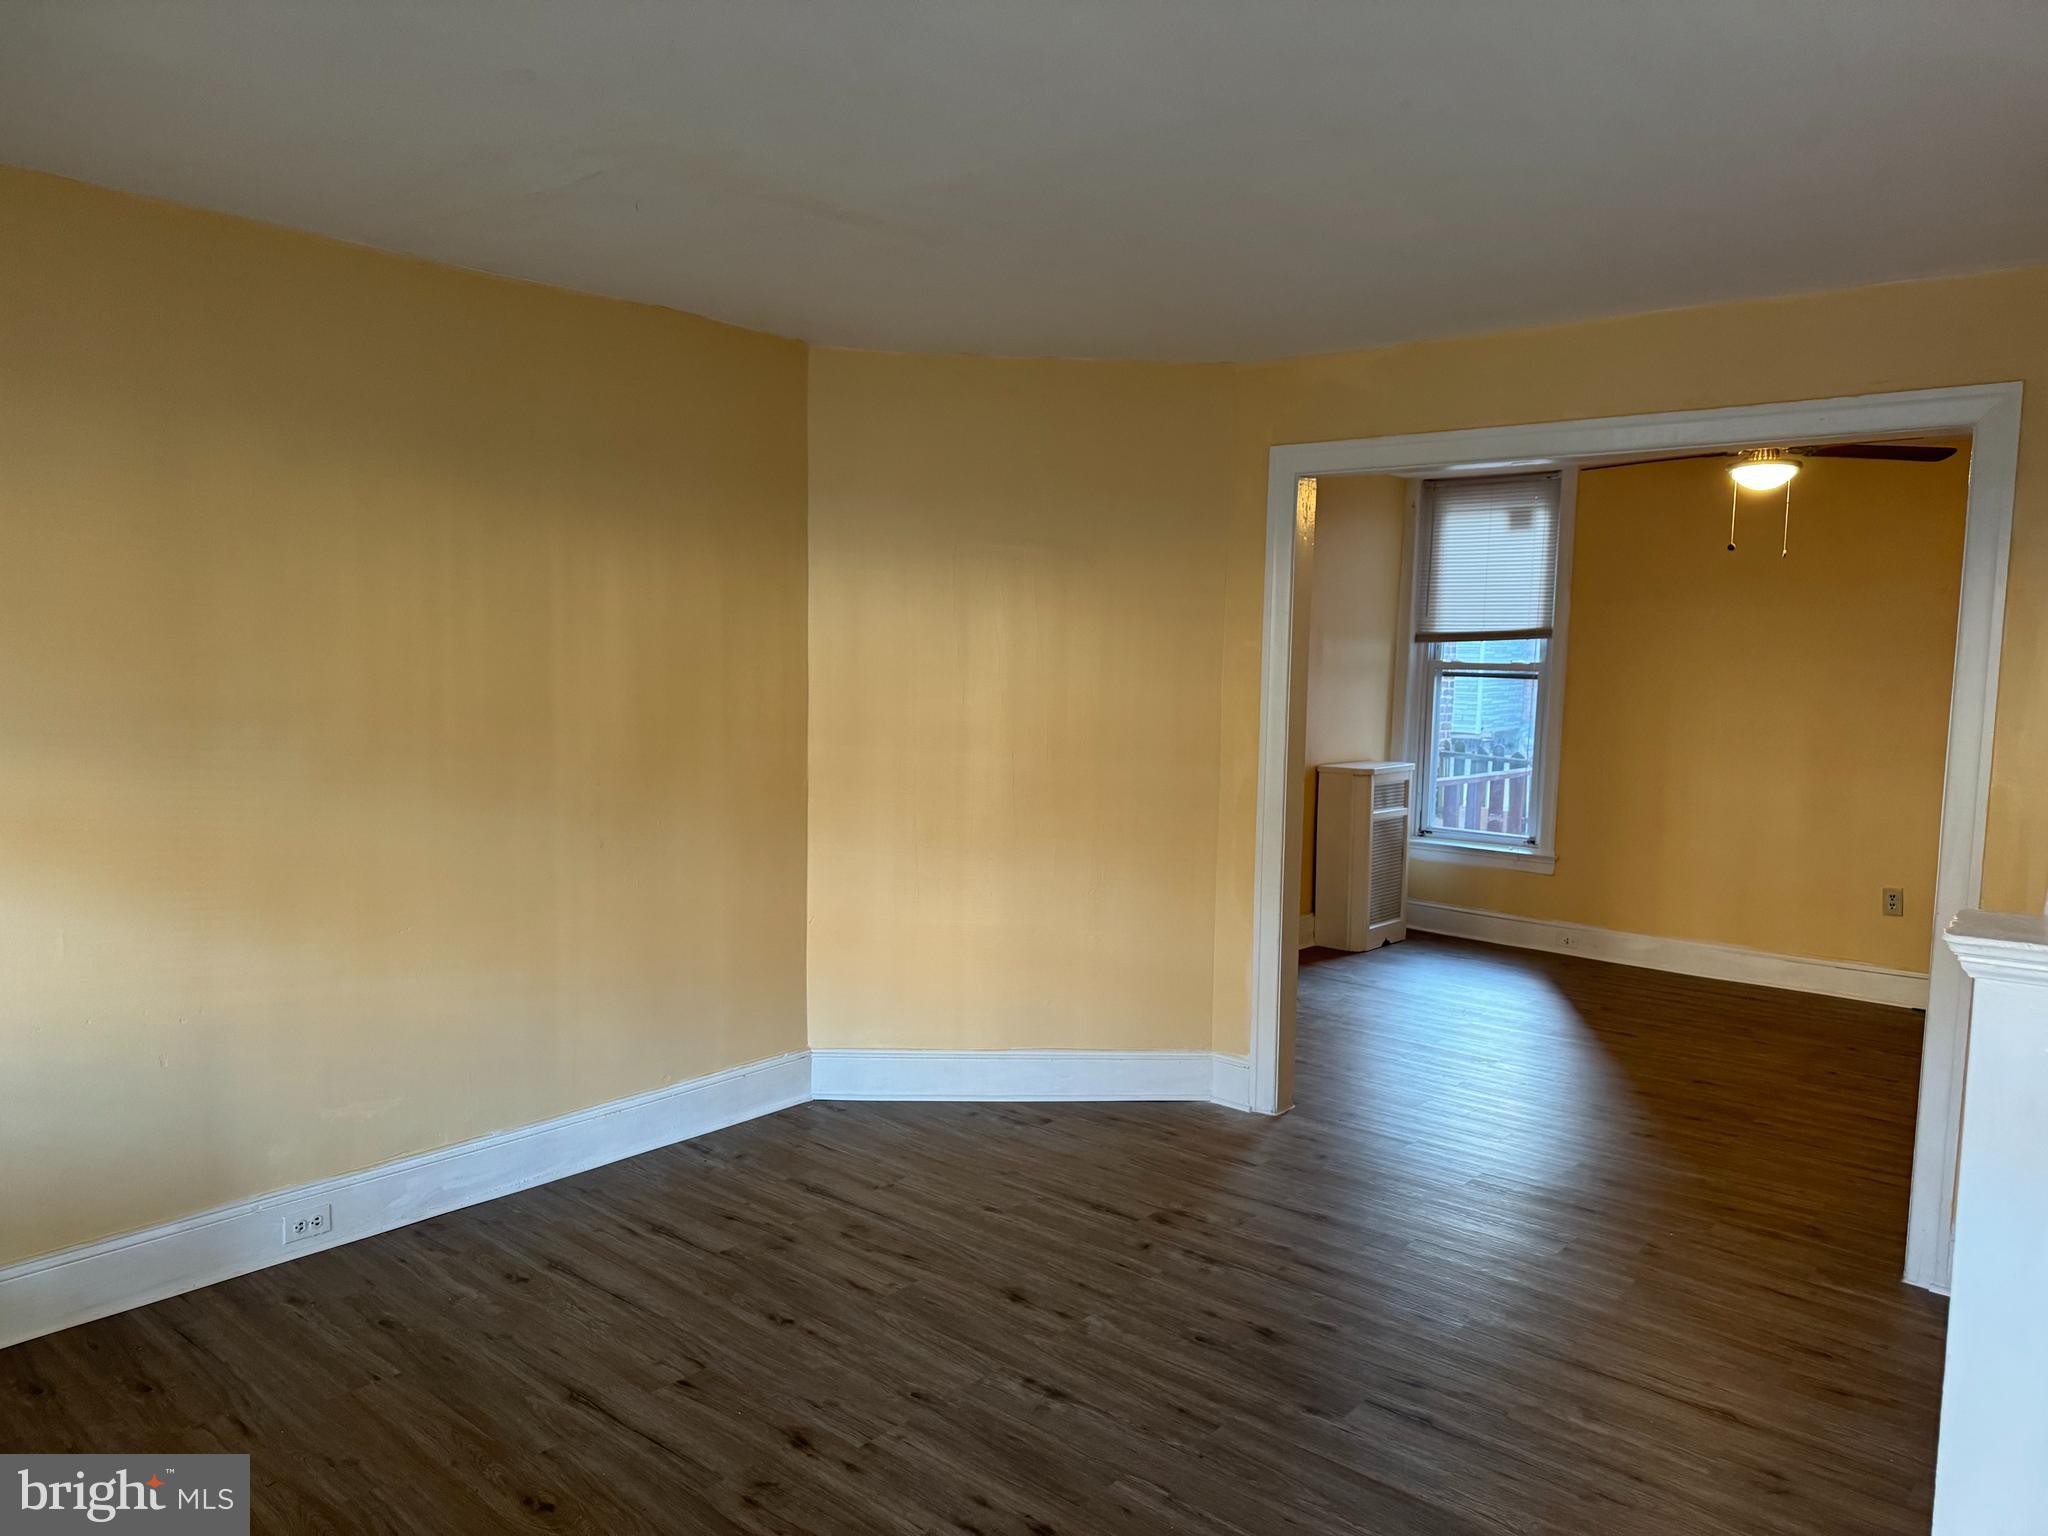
{"x":1547,"y":1246}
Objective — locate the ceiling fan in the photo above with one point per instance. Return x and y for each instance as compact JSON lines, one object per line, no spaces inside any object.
{"x":1766,"y":469}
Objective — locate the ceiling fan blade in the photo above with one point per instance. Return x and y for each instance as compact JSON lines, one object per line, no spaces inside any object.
{"x":1668,"y":458}
{"x":1909,"y":452}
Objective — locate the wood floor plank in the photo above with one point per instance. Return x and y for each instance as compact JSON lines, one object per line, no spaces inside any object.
{"x":1546,"y":1246}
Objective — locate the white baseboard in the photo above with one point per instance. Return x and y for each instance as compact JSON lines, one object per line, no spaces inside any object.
{"x":1230,"y":1081}
{"x":59,"y":1290}
{"x":76,"y":1285}
{"x":1026,"y":1076}
{"x":1688,"y":957}
{"x":1305,"y":936}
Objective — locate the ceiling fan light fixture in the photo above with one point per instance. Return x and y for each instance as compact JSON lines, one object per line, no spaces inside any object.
{"x":1764,"y":470}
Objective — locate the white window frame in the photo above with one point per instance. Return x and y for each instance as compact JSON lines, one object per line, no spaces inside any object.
{"x":1418,"y":674}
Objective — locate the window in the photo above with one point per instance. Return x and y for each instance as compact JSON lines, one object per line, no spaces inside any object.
{"x":1484,"y":676}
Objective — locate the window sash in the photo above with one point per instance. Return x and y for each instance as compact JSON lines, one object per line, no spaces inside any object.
{"x":1489,"y":668}
{"x":1432,"y":670}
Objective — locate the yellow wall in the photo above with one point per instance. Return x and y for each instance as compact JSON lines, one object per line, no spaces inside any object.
{"x":1015,"y":580}
{"x":401,"y":706}
{"x":404,"y":681}
{"x":1894,"y":336}
{"x":1752,"y":745}
{"x":1354,"y":616}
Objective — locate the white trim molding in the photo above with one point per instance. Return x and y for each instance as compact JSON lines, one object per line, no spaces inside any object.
{"x":1230,"y":1080}
{"x":1988,"y":413}
{"x":1686,"y":957}
{"x":1448,"y":850}
{"x":79,"y":1284}
{"x":2002,"y":946}
{"x":1991,"y":1468}
{"x":1026,"y":1076}
{"x":76,"y":1285}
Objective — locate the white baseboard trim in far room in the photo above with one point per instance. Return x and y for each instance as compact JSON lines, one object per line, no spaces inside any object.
{"x":76,"y":1285}
{"x":1024,"y":1076}
{"x":1687,"y":957}
{"x":1305,"y":937}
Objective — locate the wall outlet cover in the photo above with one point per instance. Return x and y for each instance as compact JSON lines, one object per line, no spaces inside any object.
{"x":308,"y":1222}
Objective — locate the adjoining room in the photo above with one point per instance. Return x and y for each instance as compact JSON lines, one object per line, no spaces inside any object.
{"x":1733,"y":733}
{"x":1735,"y":705}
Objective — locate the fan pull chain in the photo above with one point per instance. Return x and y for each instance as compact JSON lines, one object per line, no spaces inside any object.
{"x":1734,"y":491}
{"x":1785,"y":538}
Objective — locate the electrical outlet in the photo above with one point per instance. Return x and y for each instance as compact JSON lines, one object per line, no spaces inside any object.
{"x":1894,"y":901}
{"x":312,"y":1221}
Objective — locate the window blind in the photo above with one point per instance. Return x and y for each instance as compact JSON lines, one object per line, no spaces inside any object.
{"x":1492,"y":558}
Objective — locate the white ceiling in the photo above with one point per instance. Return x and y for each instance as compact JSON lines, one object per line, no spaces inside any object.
{"x":1143,"y":178}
